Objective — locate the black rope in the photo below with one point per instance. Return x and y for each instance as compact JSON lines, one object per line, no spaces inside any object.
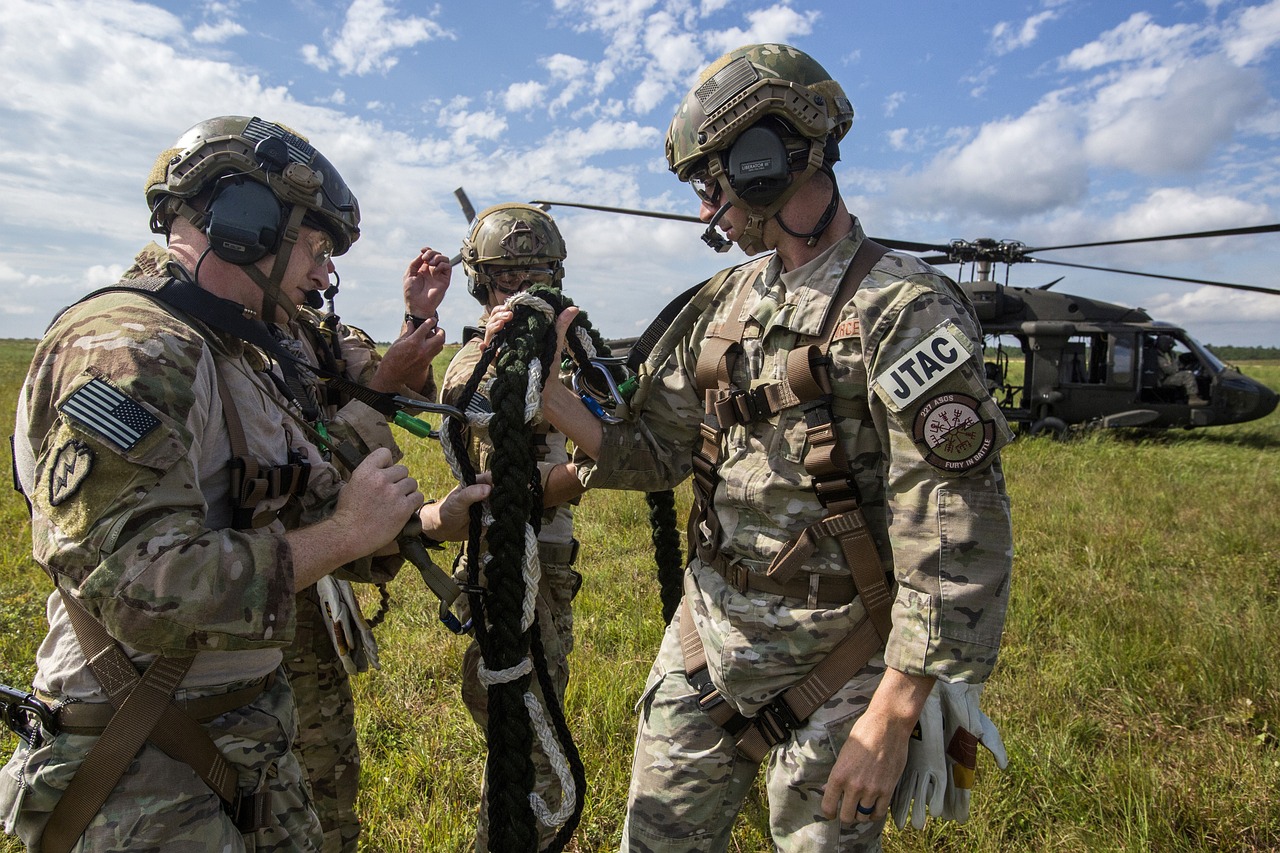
{"x":498,"y":607}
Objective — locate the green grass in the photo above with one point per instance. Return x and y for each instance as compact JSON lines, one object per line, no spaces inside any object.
{"x":1138,"y":692}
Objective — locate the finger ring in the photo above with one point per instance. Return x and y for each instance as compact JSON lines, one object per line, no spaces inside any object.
{"x":864,"y":810}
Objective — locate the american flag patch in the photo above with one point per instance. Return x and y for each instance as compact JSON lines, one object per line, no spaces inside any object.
{"x":101,"y":407}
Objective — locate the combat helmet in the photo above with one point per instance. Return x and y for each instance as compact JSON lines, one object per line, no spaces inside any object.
{"x":234,"y":158}
{"x":745,"y":89}
{"x":511,"y":235}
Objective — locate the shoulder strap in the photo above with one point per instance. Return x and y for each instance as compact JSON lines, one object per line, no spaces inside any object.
{"x":144,"y":711}
{"x":649,"y":339}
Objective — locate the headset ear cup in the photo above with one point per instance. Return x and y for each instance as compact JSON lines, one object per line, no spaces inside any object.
{"x":244,"y":221}
{"x":757,"y":165}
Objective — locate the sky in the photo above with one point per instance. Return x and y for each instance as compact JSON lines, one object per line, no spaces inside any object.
{"x":1049,"y":122}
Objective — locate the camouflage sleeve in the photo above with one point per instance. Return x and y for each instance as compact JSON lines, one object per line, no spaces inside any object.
{"x":653,"y":449}
{"x":949,"y":522}
{"x":119,"y":397}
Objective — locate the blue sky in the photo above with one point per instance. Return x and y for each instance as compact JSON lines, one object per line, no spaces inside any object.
{"x":1045,"y":121}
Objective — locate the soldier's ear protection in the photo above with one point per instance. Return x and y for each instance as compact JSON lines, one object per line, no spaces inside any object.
{"x":759,"y":165}
{"x":244,"y":220}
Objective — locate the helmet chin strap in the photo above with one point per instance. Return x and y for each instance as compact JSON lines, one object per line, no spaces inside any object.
{"x":272,"y":295}
{"x":752,"y":239}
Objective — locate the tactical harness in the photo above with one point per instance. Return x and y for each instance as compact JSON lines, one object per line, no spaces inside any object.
{"x":141,"y":708}
{"x":807,"y":384}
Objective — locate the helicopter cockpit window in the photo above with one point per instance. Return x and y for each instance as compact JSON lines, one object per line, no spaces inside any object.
{"x":1121,"y":360}
{"x":1084,"y":361}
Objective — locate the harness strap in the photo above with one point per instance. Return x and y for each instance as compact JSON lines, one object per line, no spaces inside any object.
{"x":807,"y":383}
{"x":826,"y":591}
{"x":144,"y":711}
{"x":755,"y":736}
{"x":252,"y":482}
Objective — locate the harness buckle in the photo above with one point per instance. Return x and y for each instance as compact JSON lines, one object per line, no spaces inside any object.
{"x":776,"y":721}
{"x":250,"y":812}
{"x":836,"y":490}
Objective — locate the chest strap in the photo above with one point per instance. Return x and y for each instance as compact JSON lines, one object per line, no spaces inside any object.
{"x":775,"y":722}
{"x":251,"y":482}
{"x":808,"y":384}
{"x":144,"y":712}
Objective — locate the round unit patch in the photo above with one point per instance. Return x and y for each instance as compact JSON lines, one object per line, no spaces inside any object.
{"x":951,"y":434}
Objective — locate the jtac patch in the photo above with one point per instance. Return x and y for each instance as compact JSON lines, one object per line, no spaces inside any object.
{"x":937,"y":356}
{"x":104,"y":409}
{"x":952,"y":435}
{"x":71,"y":466}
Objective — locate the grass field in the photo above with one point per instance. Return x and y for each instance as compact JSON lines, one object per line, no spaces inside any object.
{"x":1138,"y":691}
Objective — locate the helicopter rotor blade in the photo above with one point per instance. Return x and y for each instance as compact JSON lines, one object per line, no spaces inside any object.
{"x":909,"y":246}
{"x":1226,"y":232}
{"x":468,"y":210}
{"x":1249,"y":287}
{"x":677,"y":217}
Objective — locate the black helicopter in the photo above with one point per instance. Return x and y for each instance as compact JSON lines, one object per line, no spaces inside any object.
{"x":1055,"y":361}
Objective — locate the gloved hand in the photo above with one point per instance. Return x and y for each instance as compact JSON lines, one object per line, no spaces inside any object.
{"x":964,"y":727}
{"x":924,"y":778}
{"x":351,"y":636}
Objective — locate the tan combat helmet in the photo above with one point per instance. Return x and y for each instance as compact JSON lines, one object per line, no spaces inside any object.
{"x":518,"y":236}
{"x":740,"y":91}
{"x":237,"y":157}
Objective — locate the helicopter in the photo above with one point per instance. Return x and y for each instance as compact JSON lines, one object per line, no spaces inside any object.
{"x":1055,"y":362}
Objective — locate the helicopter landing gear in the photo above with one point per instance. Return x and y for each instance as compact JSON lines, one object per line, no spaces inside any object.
{"x":1055,"y":428}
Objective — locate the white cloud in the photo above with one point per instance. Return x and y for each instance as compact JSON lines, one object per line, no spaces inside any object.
{"x":216,"y":33}
{"x":779,"y":23}
{"x":1006,"y":37}
{"x":1171,"y":119}
{"x":1253,"y":32}
{"x":1011,"y":167}
{"x":894,"y":101}
{"x":370,"y":37}
{"x":524,"y":96}
{"x":1137,"y":38}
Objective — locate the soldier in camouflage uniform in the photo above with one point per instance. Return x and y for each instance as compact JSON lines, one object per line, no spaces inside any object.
{"x":757,"y":138}
{"x":123,"y":437}
{"x":333,"y":641}
{"x":510,"y":248}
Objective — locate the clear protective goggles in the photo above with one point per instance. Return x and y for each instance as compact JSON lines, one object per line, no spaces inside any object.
{"x":510,"y":280}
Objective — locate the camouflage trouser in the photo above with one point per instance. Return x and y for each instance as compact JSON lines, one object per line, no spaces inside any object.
{"x":160,"y":804}
{"x":326,"y":744}
{"x":555,"y":620}
{"x":688,"y":780}
{"x":1184,"y":379}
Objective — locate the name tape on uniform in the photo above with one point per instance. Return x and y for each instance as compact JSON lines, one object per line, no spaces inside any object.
{"x":938,"y":355}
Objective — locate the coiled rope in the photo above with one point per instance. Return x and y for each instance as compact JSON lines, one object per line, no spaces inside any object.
{"x":502,"y":608}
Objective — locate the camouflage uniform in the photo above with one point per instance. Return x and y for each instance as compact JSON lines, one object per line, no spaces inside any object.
{"x":559,"y":584}
{"x":937,"y":510}
{"x":326,"y":745}
{"x":132,"y":515}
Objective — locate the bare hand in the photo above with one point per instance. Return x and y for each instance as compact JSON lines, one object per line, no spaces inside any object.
{"x":425,"y":282}
{"x":377,"y":501}
{"x":500,"y":316}
{"x":450,"y":519}
{"x":870,"y":763}
{"x":408,"y":360}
